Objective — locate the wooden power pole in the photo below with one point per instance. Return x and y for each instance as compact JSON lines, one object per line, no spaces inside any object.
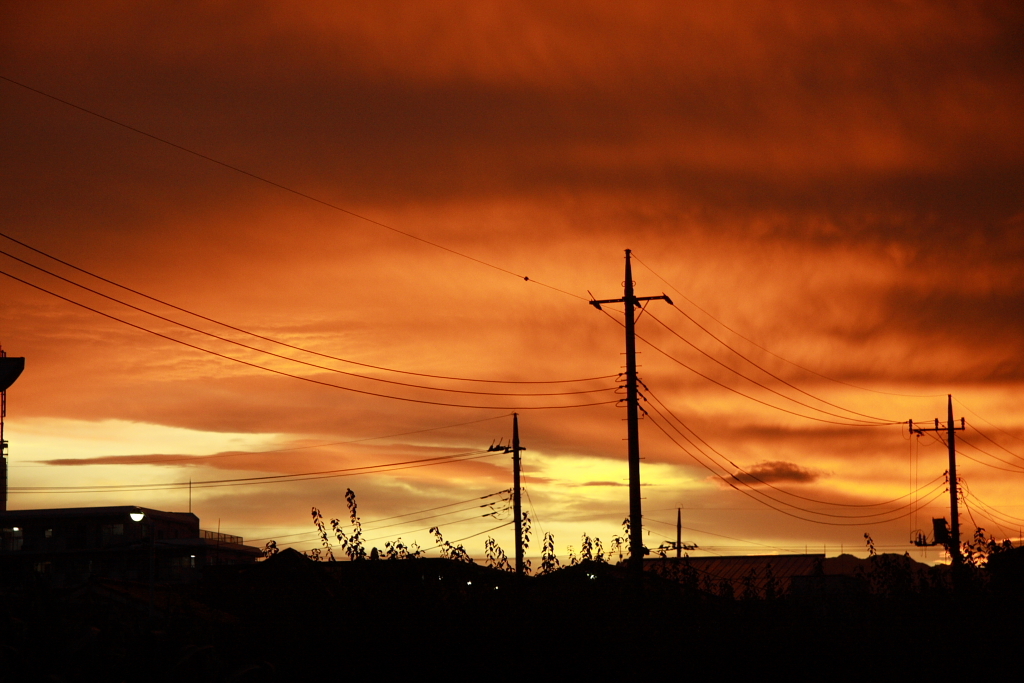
{"x":954,"y":507}
{"x":631,"y":301}
{"x":517,"y":491}
{"x":517,"y":496}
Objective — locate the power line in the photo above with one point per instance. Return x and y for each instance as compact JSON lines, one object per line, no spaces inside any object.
{"x":986,"y":506}
{"x":276,"y":341}
{"x":194,"y":458}
{"x":994,"y":457}
{"x":287,"y":374}
{"x":731,"y":538}
{"x":818,"y":374}
{"x":747,"y":396}
{"x":242,"y":481}
{"x":765,"y":387}
{"x":990,"y":440}
{"x":758,"y":366}
{"x":434,"y":516}
{"x":439,"y":507}
{"x":762,"y":493}
{"x":749,"y":494}
{"x":464,"y":538}
{"x":280,"y":186}
{"x":964,"y":406}
{"x":295,"y":360}
{"x":383,"y":519}
{"x":766,"y":483}
{"x":757,"y":400}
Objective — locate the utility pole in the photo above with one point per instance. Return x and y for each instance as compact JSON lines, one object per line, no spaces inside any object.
{"x":517,"y":497}
{"x":636,"y":541}
{"x":517,"y":494}
{"x":10,"y":370}
{"x":679,"y":533}
{"x":679,"y":546}
{"x":954,"y":506}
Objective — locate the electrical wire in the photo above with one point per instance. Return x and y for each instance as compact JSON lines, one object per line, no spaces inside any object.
{"x":259,"y":336}
{"x":978,"y":527}
{"x":732,"y":478}
{"x":965,"y":407}
{"x":817,"y":374}
{"x":961,"y":439}
{"x":427,"y":528}
{"x":458,"y":540}
{"x":202,"y":458}
{"x":757,"y":400}
{"x":731,"y":538}
{"x":439,"y":507}
{"x":994,"y":510}
{"x":464,"y":538}
{"x":293,"y":376}
{"x":989,"y":439}
{"x":242,"y":481}
{"x":747,"y":396}
{"x":297,"y":360}
{"x":762,"y":481}
{"x":767,"y":372}
{"x":749,"y":494}
{"x":287,"y":189}
{"x":434,"y":516}
{"x":384,"y":519}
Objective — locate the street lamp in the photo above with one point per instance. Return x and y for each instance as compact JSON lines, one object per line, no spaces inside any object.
{"x":138,"y":515}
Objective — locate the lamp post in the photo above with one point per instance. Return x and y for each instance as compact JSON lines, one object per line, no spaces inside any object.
{"x":138,"y":516}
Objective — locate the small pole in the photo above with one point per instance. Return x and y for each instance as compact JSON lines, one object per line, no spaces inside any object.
{"x":679,"y":532}
{"x":517,"y":499}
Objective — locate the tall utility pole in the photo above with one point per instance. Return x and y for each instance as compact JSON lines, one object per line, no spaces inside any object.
{"x":517,"y":497}
{"x":636,"y":541}
{"x":517,"y":494}
{"x":954,"y":505}
{"x":10,"y":370}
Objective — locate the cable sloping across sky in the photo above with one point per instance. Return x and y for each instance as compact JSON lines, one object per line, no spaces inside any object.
{"x":404,"y":514}
{"x":288,"y":374}
{"x":275,"y":478}
{"x":747,"y":396}
{"x":264,"y":338}
{"x":202,"y":458}
{"x":749,"y":494}
{"x":285,"y":188}
{"x":872,"y":419}
{"x":297,"y":360}
{"x":739,"y":469}
{"x":733,"y":478}
{"x":768,"y":351}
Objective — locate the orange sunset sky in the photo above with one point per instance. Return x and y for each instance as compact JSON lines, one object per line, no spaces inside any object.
{"x":832,"y":190}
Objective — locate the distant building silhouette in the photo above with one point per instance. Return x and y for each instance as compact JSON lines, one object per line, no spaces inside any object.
{"x":65,"y":546}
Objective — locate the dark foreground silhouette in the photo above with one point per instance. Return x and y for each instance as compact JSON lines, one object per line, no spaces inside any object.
{"x":289,"y":617}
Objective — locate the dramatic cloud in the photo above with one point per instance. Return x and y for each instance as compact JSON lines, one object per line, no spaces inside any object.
{"x":831,"y":191}
{"x":775,"y":472}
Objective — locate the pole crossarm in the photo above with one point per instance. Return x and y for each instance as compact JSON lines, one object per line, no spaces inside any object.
{"x":596,"y":303}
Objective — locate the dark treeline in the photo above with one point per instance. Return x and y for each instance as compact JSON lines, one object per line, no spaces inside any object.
{"x":290,"y":616}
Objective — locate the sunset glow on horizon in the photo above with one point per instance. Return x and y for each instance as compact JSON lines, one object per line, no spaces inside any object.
{"x":831,"y":196}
